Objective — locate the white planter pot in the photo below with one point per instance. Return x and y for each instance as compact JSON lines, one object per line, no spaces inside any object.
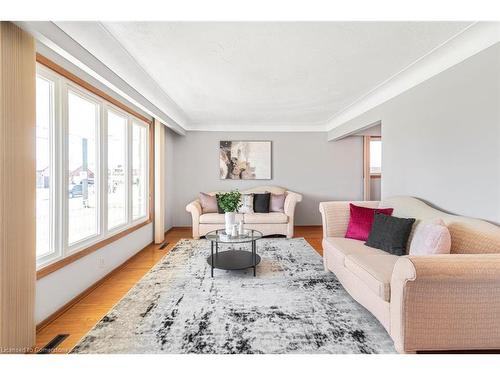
{"x":230,"y":219}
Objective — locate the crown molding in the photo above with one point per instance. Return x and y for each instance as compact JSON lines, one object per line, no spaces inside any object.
{"x":470,"y":41}
{"x":257,"y":127}
{"x":55,"y":39}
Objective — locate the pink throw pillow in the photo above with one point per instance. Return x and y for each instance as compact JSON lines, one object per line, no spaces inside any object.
{"x":361,"y":220}
{"x":208,"y":203}
{"x":277,"y":203}
{"x":432,"y":237}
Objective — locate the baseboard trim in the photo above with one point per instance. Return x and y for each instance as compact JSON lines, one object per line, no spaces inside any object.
{"x":85,"y":293}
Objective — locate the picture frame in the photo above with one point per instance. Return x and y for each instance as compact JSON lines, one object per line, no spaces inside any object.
{"x":245,"y":160}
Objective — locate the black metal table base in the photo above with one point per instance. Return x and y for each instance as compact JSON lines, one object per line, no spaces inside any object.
{"x":233,"y":259}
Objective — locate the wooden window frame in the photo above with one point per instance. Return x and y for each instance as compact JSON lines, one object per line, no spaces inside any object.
{"x":82,"y":252}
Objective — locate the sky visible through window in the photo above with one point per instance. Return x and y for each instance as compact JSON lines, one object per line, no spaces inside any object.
{"x":375,"y":156}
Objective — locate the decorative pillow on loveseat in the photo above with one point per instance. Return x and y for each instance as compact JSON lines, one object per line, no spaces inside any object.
{"x":277,"y":203}
{"x":246,"y":204}
{"x":431,"y":237}
{"x":361,"y":220}
{"x":390,"y":233}
{"x":208,"y":203}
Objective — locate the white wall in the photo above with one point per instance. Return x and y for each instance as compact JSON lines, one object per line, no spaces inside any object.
{"x":58,"y":288}
{"x":303,"y":162}
{"x":441,"y":139}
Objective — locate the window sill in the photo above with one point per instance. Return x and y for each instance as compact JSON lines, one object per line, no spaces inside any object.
{"x":48,"y":269}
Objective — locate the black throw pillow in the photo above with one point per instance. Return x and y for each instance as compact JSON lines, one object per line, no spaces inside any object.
{"x":390,"y":233}
{"x":261,"y":202}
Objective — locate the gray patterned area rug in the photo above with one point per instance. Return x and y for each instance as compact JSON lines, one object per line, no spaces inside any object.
{"x":291,"y":306}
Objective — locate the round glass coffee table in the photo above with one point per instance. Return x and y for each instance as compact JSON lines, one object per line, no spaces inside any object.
{"x":233,"y":259}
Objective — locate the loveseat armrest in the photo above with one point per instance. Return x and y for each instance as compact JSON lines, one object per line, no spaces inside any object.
{"x":195,"y":209}
{"x":290,"y":201}
{"x":446,"y":302}
{"x":335,"y":216}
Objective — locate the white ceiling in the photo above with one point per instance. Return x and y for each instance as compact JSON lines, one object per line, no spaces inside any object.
{"x":264,"y":74}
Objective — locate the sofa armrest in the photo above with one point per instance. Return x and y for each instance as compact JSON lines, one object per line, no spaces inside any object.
{"x":446,"y":302}
{"x":335,"y":216}
{"x":290,"y":201}
{"x":195,"y":209}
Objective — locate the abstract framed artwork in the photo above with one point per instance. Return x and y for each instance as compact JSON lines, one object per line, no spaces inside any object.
{"x":245,"y":160}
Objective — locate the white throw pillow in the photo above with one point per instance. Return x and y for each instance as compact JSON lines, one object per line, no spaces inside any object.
{"x":246,"y":204}
{"x":431,"y":237}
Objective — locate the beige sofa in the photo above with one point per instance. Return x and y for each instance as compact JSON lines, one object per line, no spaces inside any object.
{"x":426,"y":303}
{"x":271,"y":223}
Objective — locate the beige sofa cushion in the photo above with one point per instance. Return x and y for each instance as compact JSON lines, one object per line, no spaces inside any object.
{"x":375,"y":270}
{"x":270,"y":218}
{"x":347,"y":246}
{"x":372,"y":266}
{"x":214,"y":218}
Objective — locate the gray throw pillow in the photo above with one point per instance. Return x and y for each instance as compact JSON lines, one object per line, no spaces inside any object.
{"x":390,"y":233}
{"x":261,"y":202}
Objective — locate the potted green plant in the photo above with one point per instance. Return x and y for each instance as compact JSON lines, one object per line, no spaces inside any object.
{"x":229,"y":202}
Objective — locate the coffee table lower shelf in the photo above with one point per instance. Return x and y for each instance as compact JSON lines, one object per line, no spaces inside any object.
{"x":233,"y":260}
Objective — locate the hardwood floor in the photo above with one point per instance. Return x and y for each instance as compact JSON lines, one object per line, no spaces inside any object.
{"x":78,"y":319}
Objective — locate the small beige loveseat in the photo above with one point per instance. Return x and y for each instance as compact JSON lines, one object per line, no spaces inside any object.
{"x":270,"y":223}
{"x":426,"y":303}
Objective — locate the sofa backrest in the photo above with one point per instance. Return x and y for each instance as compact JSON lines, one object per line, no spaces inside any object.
{"x":262,"y":189}
{"x":258,"y":189}
{"x":335,"y":216}
{"x":468,"y":235}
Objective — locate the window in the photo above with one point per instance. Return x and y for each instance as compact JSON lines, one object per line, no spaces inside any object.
{"x":117,"y":169}
{"x":92,"y":179}
{"x":83,"y":122}
{"x":139,"y":170}
{"x":375,"y":156}
{"x":44,"y":128}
